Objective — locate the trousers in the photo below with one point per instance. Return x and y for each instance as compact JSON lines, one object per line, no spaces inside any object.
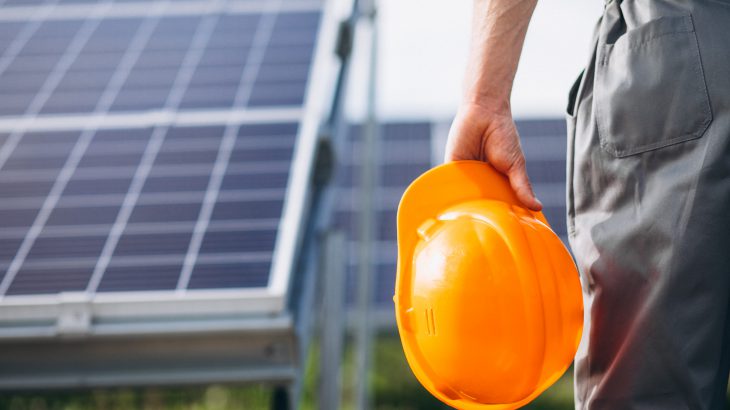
{"x":648,"y":204}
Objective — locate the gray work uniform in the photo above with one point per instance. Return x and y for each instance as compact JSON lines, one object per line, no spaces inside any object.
{"x":649,"y":206}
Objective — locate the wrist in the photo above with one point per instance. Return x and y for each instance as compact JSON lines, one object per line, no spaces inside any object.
{"x":487,"y":105}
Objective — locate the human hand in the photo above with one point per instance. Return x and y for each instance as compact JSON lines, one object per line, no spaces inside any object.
{"x":485,"y":134}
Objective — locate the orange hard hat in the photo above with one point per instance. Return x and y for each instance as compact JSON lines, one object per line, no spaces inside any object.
{"x":487,"y":298}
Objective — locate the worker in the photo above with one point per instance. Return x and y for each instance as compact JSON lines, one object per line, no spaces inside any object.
{"x":648,"y":190}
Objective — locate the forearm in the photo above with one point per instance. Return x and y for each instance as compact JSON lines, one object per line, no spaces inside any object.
{"x":498,"y":33}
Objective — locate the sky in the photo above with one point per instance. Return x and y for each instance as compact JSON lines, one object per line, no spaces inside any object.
{"x":422,"y":53}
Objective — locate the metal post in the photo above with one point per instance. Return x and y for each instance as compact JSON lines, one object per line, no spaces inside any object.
{"x":367,"y":220}
{"x":334,"y":263}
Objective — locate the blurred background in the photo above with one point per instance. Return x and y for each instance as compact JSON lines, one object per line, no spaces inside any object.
{"x":198,"y":198}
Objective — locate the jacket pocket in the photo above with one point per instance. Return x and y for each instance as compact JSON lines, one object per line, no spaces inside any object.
{"x":650,"y":88}
{"x":570,"y":117}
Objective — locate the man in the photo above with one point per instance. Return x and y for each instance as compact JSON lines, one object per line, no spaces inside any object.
{"x":648,"y":187}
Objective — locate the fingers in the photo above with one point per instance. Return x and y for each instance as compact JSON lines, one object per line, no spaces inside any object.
{"x":476,"y":135}
{"x":520,"y":183}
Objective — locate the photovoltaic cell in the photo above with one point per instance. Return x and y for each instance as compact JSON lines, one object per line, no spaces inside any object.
{"x":108,"y":209}
{"x":50,"y":280}
{"x":141,"y":277}
{"x":60,"y":247}
{"x":228,"y":275}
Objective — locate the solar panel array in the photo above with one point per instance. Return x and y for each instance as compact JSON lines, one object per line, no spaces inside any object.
{"x":405,"y":151}
{"x":164,"y":175}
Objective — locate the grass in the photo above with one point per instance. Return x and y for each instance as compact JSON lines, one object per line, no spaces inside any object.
{"x":393,"y":387}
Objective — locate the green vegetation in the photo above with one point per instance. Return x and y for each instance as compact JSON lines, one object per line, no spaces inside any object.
{"x":393,"y":388}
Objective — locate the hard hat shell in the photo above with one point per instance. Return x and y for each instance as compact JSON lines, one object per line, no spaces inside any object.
{"x":487,"y":298}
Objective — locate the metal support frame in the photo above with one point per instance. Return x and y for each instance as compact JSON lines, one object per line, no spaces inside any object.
{"x":368,"y":183}
{"x":332,"y":319}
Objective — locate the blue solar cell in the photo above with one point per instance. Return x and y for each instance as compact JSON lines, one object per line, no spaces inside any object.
{"x":109,"y":159}
{"x":16,"y":218}
{"x":117,"y":43}
{"x":195,"y":132}
{"x":546,"y":170}
{"x":87,"y":215}
{"x":165,"y":213}
{"x":264,"y":180}
{"x":20,"y":189}
{"x":177,"y":26}
{"x":298,"y":54}
{"x":386,"y":229}
{"x":126,"y":135}
{"x":26,"y":63}
{"x":173,"y":42}
{"x":207,"y":96}
{"x":62,"y":247}
{"x":53,"y":137}
{"x":115,"y":28}
{"x":176,"y":183}
{"x":228,"y":75}
{"x":49,"y":45}
{"x":306,"y":19}
{"x":21,"y":83}
{"x":84,"y":80}
{"x":153,"y":244}
{"x":224,"y":56}
{"x":132,"y":99}
{"x":238,"y":241}
{"x":140,"y":277}
{"x":26,"y":149}
{"x":240,"y":24}
{"x":46,"y":162}
{"x":277,"y":94}
{"x":286,"y":128}
{"x":54,"y":279}
{"x":72,"y":101}
{"x":97,"y":186}
{"x":22,"y":2}
{"x":8,"y":248}
{"x":109,"y":60}
{"x":402,"y":174}
{"x":10,"y":29}
{"x":15,"y":104}
{"x":282,"y":72}
{"x":233,"y":40}
{"x":189,"y":157}
{"x":160,"y":58}
{"x":544,"y":127}
{"x":259,"y":154}
{"x":56,"y":28}
{"x":247,"y":210}
{"x":151,"y":77}
{"x":419,"y":133}
{"x":229,"y":275}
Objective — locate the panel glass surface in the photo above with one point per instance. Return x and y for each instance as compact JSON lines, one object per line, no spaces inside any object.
{"x":163,"y":206}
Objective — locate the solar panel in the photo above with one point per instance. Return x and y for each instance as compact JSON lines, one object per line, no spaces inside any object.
{"x":154,"y":157}
{"x":406,"y":150}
